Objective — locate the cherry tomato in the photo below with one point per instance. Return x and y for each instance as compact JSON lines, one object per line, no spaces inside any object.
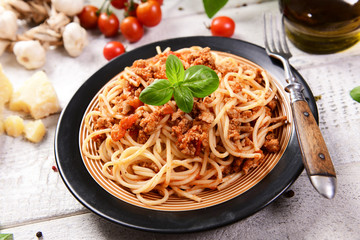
{"x":119,"y":4}
{"x":130,"y":9}
{"x":222,"y":26}
{"x":160,"y":1}
{"x":113,"y":49}
{"x":149,"y":13}
{"x":88,"y":17}
{"x":108,"y":24}
{"x":132,"y":29}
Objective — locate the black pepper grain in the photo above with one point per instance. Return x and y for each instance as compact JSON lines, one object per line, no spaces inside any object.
{"x":289,"y":194}
{"x":39,"y":234}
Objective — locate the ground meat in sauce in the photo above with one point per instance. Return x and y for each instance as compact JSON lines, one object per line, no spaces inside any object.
{"x":271,"y":144}
{"x":236,"y":113}
{"x":103,"y":122}
{"x":241,"y":164}
{"x":192,"y":135}
{"x":249,"y":164}
{"x":202,"y":57}
{"x":201,"y":113}
{"x":258,"y":77}
{"x":142,"y":137}
{"x":235,"y":85}
{"x":190,"y":142}
{"x":272,"y":104}
{"x":236,"y":128}
{"x":225,"y":68}
{"x":236,"y":165}
{"x":123,"y":106}
{"x":245,"y":165}
{"x":207,"y":117}
{"x":181,"y":127}
{"x":177,"y":114}
{"x":150,"y":122}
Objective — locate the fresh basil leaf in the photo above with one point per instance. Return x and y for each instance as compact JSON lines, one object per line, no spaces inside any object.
{"x":355,"y":94}
{"x":174,"y":69}
{"x":6,"y":236}
{"x":213,"y":6}
{"x":201,"y":80}
{"x":183,"y":98}
{"x":158,"y":93}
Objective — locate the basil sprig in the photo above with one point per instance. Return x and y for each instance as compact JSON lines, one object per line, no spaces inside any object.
{"x":213,"y":6}
{"x":197,"y":81}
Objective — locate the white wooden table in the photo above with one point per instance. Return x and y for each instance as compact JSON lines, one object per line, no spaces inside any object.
{"x":34,"y":198}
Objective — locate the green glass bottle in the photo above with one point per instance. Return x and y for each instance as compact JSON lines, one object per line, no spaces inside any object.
{"x":322,"y":26}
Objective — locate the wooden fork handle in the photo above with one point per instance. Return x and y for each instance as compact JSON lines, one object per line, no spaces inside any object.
{"x":316,"y":157}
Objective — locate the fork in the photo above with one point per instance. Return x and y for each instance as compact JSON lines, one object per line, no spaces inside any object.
{"x":315,"y":155}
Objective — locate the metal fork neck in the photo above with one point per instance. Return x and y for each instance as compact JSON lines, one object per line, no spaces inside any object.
{"x":295,"y":89}
{"x":289,"y":76}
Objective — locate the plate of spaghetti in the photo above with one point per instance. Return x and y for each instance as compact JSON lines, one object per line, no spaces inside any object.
{"x":161,"y":168}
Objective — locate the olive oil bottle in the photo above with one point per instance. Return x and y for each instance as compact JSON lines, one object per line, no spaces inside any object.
{"x":322,"y":26}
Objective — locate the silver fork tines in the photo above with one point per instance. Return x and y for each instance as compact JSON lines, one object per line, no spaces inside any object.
{"x":276,"y":45}
{"x":280,"y":46}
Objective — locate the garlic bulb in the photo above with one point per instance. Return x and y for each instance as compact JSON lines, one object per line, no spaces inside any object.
{"x":30,"y":54}
{"x":8,"y":23}
{"x":69,"y":7}
{"x":75,"y":39}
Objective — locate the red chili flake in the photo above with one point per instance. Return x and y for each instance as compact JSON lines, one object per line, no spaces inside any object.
{"x":54,"y":168}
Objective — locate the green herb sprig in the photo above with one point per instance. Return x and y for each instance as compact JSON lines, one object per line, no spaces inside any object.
{"x":6,"y":236}
{"x":355,"y":94}
{"x":197,"y":81}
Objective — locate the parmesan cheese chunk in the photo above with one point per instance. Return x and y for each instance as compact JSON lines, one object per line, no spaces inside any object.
{"x":36,"y":96}
{"x":34,"y":131}
{"x":14,"y":126}
{"x":6,"y":89}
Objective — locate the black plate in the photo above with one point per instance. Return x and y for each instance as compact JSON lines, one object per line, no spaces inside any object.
{"x":94,"y":197}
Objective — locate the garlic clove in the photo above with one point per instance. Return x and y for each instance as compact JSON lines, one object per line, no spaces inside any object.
{"x":8,"y":23}
{"x":30,"y":54}
{"x":74,"y":38}
{"x":69,"y":7}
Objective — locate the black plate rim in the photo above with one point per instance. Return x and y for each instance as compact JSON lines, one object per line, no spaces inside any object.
{"x":93,"y":196}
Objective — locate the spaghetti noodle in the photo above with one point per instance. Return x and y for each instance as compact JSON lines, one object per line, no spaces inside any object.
{"x":163,"y":150}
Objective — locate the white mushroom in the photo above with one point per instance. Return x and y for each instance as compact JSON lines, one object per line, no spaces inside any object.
{"x":74,"y":38}
{"x":8,"y":23}
{"x":69,"y":7}
{"x":30,"y":54}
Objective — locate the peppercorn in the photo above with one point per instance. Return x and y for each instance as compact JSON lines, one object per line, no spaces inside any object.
{"x":289,"y":194}
{"x":39,"y":234}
